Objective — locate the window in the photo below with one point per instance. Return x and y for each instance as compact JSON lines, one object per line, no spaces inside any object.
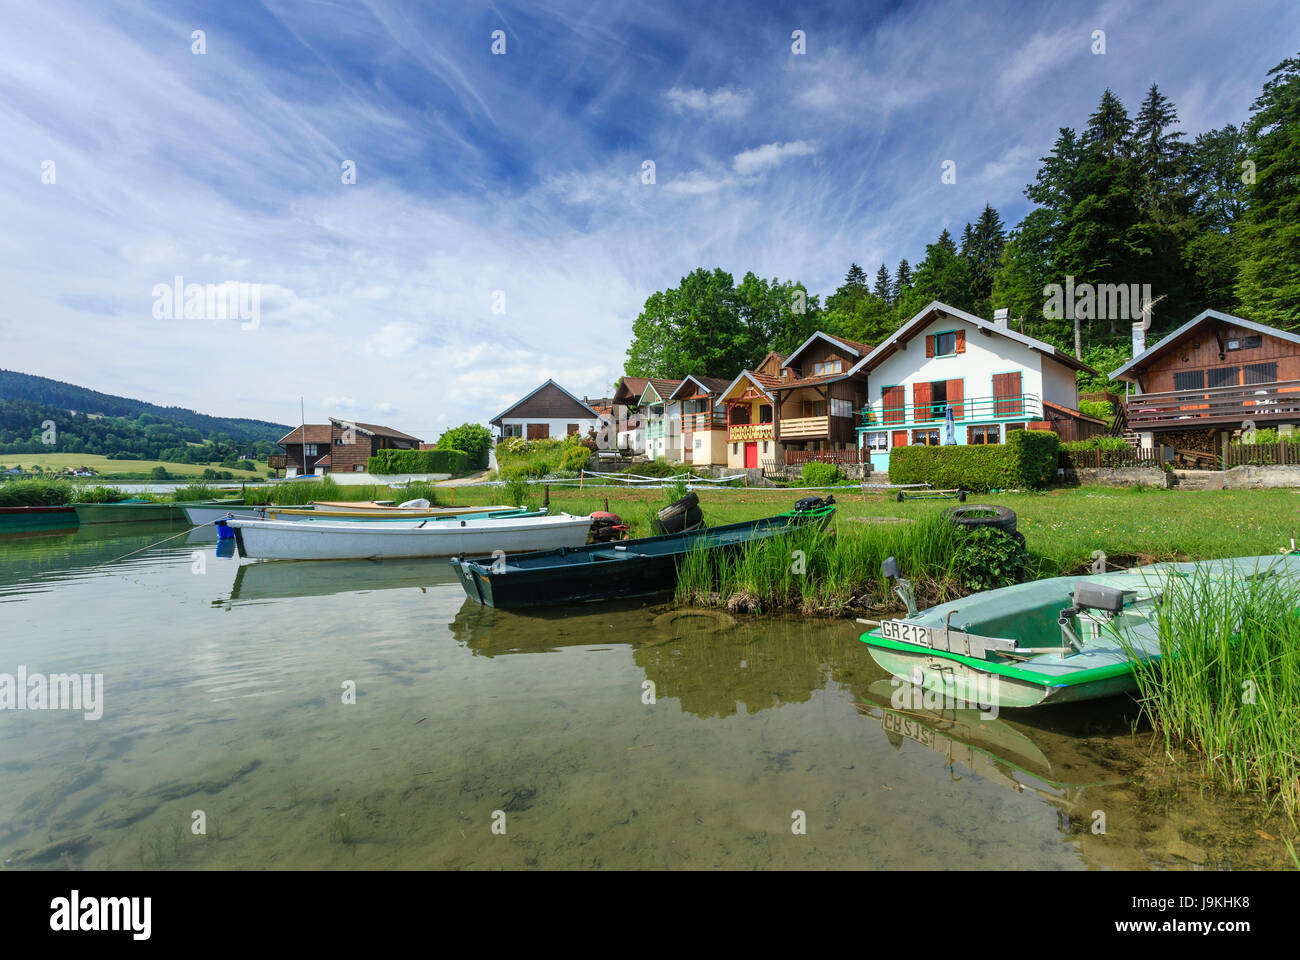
{"x":928,"y":438}
{"x":945,"y":344}
{"x":1189,"y":380}
{"x":572,"y":428}
{"x":877,"y":442}
{"x":765,"y":446}
{"x":735,"y":448}
{"x":1224,"y":377}
{"x":1260,"y":372}
{"x":1245,"y":343}
{"x":983,"y":435}
{"x":841,"y":408}
{"x":512,"y":430}
{"x":699,"y":444}
{"x":829,"y":367}
{"x":814,"y":408}
{"x":358,"y":468}
{"x":765,"y":413}
{"x":309,"y":450}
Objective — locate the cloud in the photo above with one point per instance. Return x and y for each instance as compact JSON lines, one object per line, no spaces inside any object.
{"x":752,"y":162}
{"x":723,"y":103}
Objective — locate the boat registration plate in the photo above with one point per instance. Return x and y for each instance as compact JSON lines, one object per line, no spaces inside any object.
{"x":904,"y":727}
{"x":905,"y":632}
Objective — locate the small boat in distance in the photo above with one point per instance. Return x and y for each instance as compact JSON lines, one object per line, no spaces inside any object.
{"x":428,"y":537}
{"x":605,"y":571}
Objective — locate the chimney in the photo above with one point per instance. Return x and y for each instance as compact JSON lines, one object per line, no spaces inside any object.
{"x":1001,"y":318}
{"x":1139,"y":338}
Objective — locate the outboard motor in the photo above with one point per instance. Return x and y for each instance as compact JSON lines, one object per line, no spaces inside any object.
{"x":901,"y":587}
{"x":606,"y":526}
{"x":813,"y":503}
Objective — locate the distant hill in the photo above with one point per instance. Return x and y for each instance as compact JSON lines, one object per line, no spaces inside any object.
{"x":119,"y":427}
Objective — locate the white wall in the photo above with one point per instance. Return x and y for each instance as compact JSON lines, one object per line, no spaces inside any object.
{"x":985,"y":355}
{"x":559,"y":428}
{"x":1060,"y":384}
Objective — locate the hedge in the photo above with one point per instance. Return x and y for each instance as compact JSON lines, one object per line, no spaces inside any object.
{"x":384,"y":462}
{"x":1026,"y":459}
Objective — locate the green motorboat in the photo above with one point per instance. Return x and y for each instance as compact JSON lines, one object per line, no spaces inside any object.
{"x":136,"y":511}
{"x":26,"y":519}
{"x":1050,"y":641}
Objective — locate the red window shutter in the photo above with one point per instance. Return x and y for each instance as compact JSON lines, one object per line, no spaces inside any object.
{"x":894,"y":399}
{"x":929,"y":345}
{"x":956,"y":391}
{"x":961,"y":341}
{"x":921,"y":401}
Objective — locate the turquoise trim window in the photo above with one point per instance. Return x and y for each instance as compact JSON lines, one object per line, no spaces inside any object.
{"x":945,"y":344}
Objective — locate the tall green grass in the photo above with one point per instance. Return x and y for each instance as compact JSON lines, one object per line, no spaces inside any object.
{"x":1227,"y":685}
{"x":35,"y":493}
{"x":306,"y":491}
{"x":824,"y":570}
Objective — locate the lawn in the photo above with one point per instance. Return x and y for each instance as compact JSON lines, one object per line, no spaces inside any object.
{"x":109,"y":468}
{"x":1062,"y":527}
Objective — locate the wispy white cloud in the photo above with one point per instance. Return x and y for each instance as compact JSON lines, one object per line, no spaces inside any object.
{"x":723,"y":103}
{"x":748,"y":163}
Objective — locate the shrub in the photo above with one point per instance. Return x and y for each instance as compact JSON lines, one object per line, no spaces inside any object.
{"x":1026,"y":459}
{"x":575,"y":458}
{"x":653,"y":468}
{"x":1097,"y":408}
{"x":517,"y":492}
{"x":986,"y":557}
{"x":816,"y":474}
{"x":159,"y":474}
{"x":454,"y":462}
{"x":101,"y":495}
{"x":472,"y":438}
{"x":1096,"y":443}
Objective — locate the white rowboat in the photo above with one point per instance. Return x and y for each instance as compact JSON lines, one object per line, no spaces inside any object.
{"x":359,"y":540}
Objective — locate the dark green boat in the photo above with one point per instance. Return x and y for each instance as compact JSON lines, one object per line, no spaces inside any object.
{"x":23,"y":519}
{"x":605,"y":571}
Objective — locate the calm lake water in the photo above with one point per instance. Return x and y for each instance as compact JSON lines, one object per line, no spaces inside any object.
{"x":224,"y":690}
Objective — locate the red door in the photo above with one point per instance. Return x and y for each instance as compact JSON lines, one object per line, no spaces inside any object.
{"x":900,"y":439}
{"x":751,"y":455}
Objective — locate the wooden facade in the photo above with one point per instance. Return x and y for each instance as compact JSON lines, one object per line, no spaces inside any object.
{"x":340,"y":446}
{"x":817,"y":398}
{"x":1216,"y":372}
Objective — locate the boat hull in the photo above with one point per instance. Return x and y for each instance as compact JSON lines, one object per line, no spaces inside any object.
{"x":22,"y":519}
{"x":130,"y":513}
{"x":373,"y":513}
{"x":288,"y":540}
{"x":606,"y":571}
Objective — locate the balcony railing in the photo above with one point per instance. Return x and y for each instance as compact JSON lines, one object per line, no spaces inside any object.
{"x":804,"y":427}
{"x":1234,"y":406}
{"x":1026,"y":405}
{"x":797,"y":458}
{"x":704,"y":421}
{"x":744,"y":432}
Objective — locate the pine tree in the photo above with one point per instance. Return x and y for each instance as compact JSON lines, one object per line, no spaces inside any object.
{"x":1269,"y":281}
{"x":856,"y":278}
{"x":881,"y":289}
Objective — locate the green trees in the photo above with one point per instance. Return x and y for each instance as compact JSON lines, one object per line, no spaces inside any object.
{"x":472,"y":439}
{"x":1269,"y":279}
{"x":708,"y":326}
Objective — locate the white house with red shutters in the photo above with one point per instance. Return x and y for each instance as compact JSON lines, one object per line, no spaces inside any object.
{"x":993,"y":378}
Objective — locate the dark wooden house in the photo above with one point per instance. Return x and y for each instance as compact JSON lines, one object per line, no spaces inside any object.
{"x":340,"y":446}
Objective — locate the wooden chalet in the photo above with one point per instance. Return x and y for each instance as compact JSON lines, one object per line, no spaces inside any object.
{"x":550,"y":411}
{"x":750,"y":405}
{"x":340,"y":446}
{"x":817,"y":398}
{"x":703,"y":428}
{"x":1215,"y":376}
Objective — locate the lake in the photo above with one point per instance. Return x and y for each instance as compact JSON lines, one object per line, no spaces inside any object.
{"x":338,"y":715}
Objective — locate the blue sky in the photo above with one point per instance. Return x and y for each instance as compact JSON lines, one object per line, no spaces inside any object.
{"x":514,"y":182}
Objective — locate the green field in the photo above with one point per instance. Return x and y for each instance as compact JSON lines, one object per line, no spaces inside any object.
{"x":109,"y":468}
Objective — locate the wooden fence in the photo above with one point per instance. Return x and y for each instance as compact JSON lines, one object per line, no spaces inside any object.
{"x":1121,"y":457}
{"x":797,"y":458}
{"x":1263,"y":454}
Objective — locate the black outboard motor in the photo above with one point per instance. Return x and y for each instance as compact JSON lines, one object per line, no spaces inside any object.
{"x":813,"y":503}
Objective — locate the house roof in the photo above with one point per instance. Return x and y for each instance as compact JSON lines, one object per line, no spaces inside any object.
{"x":323,"y":461}
{"x":935,"y":308}
{"x":631,"y":388}
{"x":763,"y":383}
{"x":316,"y":433}
{"x":374,"y":429}
{"x":663,"y":389}
{"x":853,"y":346}
{"x":549,"y":383}
{"x":1129,"y":370}
{"x":709,"y":385}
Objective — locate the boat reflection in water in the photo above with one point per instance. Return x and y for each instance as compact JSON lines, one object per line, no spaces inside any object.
{"x":261,"y":581}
